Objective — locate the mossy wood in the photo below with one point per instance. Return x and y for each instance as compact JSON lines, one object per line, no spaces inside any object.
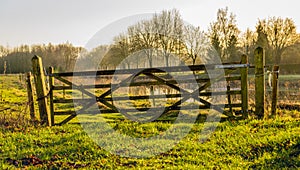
{"x":259,"y":58}
{"x":40,"y":86}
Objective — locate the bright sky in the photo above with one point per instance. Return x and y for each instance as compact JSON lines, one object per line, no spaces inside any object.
{"x":76,"y":21}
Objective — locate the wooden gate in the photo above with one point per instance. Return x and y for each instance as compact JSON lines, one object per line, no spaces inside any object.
{"x":54,"y":97}
{"x":154,"y":89}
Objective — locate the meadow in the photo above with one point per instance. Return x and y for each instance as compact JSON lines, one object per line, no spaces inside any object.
{"x":272,"y":143}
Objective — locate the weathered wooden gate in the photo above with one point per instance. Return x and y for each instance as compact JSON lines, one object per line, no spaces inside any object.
{"x":163,"y":89}
{"x":64,"y":92}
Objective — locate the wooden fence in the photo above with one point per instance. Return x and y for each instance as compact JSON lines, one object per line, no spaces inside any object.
{"x":151,"y":79}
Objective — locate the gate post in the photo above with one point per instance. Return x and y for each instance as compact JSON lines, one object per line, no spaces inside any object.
{"x":244,"y":86}
{"x":40,"y":86}
{"x":30,"y":96}
{"x":259,"y":58}
{"x":51,"y":86}
{"x":274,"y":89}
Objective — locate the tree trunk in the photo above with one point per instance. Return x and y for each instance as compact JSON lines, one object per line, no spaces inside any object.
{"x":278,"y":57}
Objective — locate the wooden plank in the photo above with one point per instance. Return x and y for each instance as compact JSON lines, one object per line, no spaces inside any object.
{"x":232,"y":92}
{"x":51,"y":85}
{"x":287,"y":106}
{"x":104,"y":111}
{"x":229,"y":98}
{"x":233,"y":78}
{"x":244,"y":86}
{"x":133,"y":71}
{"x":200,"y":67}
{"x":259,"y":57}
{"x":274,"y":89}
{"x":243,"y":65}
{"x":99,"y":86}
{"x":73,"y":100}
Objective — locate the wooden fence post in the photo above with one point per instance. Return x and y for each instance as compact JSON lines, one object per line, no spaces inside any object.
{"x":64,"y":92}
{"x":51,"y":86}
{"x":30,"y":96}
{"x":244,"y":86}
{"x":259,"y":58}
{"x":40,"y":87}
{"x":274,"y":89}
{"x":229,"y":98}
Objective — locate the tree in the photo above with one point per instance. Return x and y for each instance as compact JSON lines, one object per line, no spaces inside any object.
{"x":93,"y":59}
{"x":3,"y":51}
{"x":168,"y":27}
{"x":292,"y":54}
{"x":3,"y":64}
{"x":143,"y":38}
{"x":196,"y":42}
{"x":224,"y":33}
{"x":248,"y":43}
{"x":162,"y":35}
{"x":281,"y":33}
{"x":262,"y":39}
{"x":60,"y":56}
{"x":118,"y":52}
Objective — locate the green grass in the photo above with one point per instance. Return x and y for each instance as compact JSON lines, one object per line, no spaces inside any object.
{"x":248,"y":144}
{"x":289,"y":77}
{"x":244,"y":144}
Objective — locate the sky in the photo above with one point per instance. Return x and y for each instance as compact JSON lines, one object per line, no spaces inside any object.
{"x":77,"y":21}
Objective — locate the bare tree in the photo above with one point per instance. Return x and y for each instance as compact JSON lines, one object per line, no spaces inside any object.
{"x":169,"y":28}
{"x":197,"y":43}
{"x":143,"y":39}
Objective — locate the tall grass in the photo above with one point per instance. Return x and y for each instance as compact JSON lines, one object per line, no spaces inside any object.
{"x":14,"y":110}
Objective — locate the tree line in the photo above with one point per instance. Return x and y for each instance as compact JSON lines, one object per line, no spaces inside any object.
{"x":155,"y":41}
{"x":18,"y":59}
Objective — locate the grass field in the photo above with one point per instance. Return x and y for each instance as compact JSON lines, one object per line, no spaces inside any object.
{"x":255,"y":144}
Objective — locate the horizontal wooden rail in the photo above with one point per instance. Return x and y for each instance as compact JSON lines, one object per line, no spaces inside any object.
{"x":266,"y":66}
{"x":201,"y":67}
{"x":104,"y":111}
{"x":231,"y":66}
{"x":99,"y":86}
{"x":167,"y":96}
